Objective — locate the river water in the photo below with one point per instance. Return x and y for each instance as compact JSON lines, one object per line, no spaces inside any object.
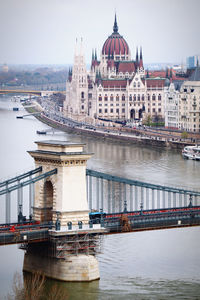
{"x":161,"y":264}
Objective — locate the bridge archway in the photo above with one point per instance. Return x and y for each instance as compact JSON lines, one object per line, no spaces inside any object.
{"x":47,"y":202}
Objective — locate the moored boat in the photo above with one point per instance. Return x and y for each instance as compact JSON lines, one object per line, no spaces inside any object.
{"x":191,"y":152}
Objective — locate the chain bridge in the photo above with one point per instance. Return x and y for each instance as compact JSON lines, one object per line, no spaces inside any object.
{"x":61,"y":209}
{"x":109,"y":198}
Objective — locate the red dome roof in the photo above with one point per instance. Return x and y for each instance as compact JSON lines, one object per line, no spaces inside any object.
{"x":115,"y":43}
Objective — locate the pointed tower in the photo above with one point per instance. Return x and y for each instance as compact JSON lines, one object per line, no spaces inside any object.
{"x":115,"y":27}
{"x":136,"y":58}
{"x":141,"y":60}
{"x":77,"y":90}
{"x":115,"y":47}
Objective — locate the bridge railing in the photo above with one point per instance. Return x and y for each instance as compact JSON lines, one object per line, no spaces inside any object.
{"x":116,"y":194}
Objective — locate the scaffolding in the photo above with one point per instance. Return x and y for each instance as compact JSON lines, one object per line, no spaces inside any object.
{"x":79,"y":243}
{"x":61,"y":247}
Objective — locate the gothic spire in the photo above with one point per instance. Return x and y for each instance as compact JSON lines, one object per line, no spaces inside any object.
{"x":95,"y":56}
{"x":137,"y":55}
{"x":140,"y":53}
{"x":115,"y":27}
{"x":141,"y":61}
{"x":92,"y":54}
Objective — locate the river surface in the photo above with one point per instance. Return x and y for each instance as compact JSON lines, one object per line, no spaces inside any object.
{"x":160,"y":264}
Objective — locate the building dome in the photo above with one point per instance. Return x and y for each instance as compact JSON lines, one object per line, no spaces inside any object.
{"x":115,"y":45}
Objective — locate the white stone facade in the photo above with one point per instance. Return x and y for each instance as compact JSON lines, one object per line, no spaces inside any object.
{"x":171,"y":107}
{"x":189,"y":106}
{"x":77,"y":90}
{"x":182,"y":107}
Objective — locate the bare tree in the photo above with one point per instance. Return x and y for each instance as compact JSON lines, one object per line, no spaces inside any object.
{"x":34,"y":289}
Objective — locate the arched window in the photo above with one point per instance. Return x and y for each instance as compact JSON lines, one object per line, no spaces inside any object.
{"x":130,"y":98}
{"x":105,"y":98}
{"x":134,"y":84}
{"x":138,"y":84}
{"x":111,"y":97}
{"x":138,"y":97}
{"x":117,"y":97}
{"x":82,"y":95}
{"x":123,"y":97}
{"x":148,"y":97}
{"x":159,"y":97}
{"x":100,"y":98}
{"x":142,"y":97}
{"x":134,"y":97}
{"x":153,"y":97}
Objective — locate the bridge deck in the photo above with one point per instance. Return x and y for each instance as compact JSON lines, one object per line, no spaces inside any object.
{"x":106,"y":223}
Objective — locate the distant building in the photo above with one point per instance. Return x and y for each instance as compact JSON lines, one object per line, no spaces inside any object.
{"x":5,"y":68}
{"x":171,"y":107}
{"x":192,"y":61}
{"x":189,"y":103}
{"x":182,"y":103}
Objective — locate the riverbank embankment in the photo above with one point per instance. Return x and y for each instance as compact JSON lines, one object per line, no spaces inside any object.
{"x":147,"y":137}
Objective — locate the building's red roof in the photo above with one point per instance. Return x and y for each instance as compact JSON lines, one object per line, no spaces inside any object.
{"x":126,"y":67}
{"x":155,"y":83}
{"x":162,"y":74}
{"x":115,"y":44}
{"x":157,"y":73}
{"x":114,"y":83}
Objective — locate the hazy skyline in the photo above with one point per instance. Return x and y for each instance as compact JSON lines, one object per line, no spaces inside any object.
{"x":45,"y":31}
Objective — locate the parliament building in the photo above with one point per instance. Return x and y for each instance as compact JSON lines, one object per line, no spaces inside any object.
{"x":116,"y":87}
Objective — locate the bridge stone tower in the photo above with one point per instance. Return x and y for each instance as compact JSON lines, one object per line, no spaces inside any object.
{"x":64,"y":192}
{"x":69,"y":253}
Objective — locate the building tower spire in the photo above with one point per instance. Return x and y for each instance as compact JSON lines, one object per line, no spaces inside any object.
{"x":137,"y":55}
{"x":141,"y":60}
{"x":115,"y":27}
{"x":140,"y":53}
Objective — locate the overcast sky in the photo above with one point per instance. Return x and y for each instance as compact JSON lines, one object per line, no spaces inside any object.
{"x":45,"y":31}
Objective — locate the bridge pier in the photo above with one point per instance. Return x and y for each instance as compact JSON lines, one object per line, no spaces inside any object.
{"x":66,"y":256}
{"x":74,"y":268}
{"x":69,"y":253}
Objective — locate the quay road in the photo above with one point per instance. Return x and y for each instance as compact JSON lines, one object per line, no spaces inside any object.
{"x":141,"y":136}
{"x":159,"y":137}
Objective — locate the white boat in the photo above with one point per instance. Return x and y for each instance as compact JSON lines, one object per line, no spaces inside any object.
{"x":191,"y":152}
